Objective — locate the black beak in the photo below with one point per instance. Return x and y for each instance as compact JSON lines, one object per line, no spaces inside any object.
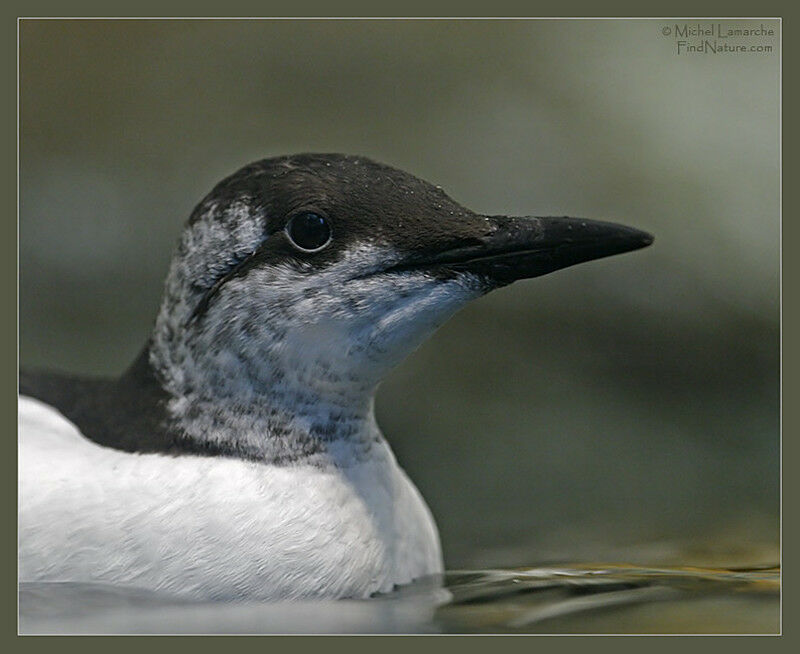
{"x":519,"y":248}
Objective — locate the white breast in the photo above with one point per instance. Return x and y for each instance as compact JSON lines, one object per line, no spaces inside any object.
{"x":214,"y":527}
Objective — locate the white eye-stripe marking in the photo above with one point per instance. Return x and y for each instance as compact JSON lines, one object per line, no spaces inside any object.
{"x":202,"y":305}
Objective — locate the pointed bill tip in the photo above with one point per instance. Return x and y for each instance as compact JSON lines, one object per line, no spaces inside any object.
{"x":521,"y":248}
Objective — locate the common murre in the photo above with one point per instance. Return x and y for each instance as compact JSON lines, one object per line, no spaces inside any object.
{"x":239,"y":455}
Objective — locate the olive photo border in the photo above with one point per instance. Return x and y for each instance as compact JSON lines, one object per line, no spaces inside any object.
{"x":790,"y":324}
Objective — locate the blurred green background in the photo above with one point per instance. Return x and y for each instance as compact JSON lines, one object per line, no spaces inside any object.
{"x":618,"y":406}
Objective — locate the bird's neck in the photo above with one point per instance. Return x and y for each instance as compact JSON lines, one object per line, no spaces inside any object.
{"x":274,"y":407}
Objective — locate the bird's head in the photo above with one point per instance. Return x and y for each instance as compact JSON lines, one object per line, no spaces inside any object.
{"x":326,"y":270}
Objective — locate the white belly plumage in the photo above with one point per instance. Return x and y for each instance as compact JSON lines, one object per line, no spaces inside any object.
{"x":213,"y":527}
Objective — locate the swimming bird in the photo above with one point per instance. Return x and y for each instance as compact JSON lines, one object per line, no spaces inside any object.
{"x":239,"y":455}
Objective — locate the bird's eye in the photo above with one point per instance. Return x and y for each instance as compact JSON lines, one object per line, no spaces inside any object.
{"x":309,"y":231}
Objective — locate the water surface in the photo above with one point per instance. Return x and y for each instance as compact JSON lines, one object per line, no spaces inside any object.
{"x":578,"y":598}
